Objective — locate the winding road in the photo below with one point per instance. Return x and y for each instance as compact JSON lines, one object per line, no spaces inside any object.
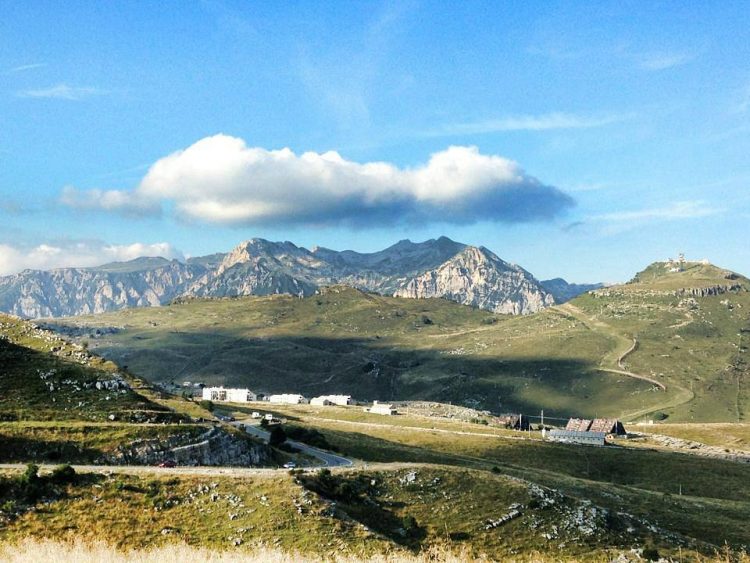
{"x":612,"y":362}
{"x":326,"y":458}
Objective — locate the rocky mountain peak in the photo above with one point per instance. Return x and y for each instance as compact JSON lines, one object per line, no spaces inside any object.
{"x":434,"y":268}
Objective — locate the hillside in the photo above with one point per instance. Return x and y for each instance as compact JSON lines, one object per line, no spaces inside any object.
{"x":667,"y":346}
{"x":44,"y":377}
{"x":58,"y":401}
{"x":371,"y":346}
{"x":433,"y":268}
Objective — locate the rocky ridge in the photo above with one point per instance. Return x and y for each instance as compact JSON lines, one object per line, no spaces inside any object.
{"x":434,"y":268}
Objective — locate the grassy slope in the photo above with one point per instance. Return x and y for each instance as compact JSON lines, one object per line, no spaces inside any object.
{"x":45,"y":378}
{"x":374,"y":348}
{"x":450,"y":505}
{"x":695,"y":346}
{"x":72,"y":422}
{"x":715,"y":501}
{"x":569,"y":360}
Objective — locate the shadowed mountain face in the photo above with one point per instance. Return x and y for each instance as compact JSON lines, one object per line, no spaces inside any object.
{"x":434,"y":268}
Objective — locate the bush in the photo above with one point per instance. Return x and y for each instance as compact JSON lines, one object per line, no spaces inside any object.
{"x":63,"y":474}
{"x":30,"y":476}
{"x":309,"y":436}
{"x":650,"y":553}
{"x":277,"y":437}
{"x":410,"y":526}
{"x":30,"y":483}
{"x":208,"y":405}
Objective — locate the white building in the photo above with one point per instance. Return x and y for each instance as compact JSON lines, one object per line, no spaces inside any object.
{"x":287,"y":399}
{"x":325,"y":400}
{"x":222,"y":394}
{"x":381,"y":408}
{"x":321,"y":401}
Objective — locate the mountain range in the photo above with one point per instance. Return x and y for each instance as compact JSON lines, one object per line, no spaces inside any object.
{"x":440,"y":267}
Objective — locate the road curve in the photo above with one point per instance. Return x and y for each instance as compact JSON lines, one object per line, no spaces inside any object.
{"x":326,"y":458}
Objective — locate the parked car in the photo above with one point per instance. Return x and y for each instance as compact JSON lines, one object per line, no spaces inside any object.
{"x":167,"y":463}
{"x":256,"y":415}
{"x":290,"y":465}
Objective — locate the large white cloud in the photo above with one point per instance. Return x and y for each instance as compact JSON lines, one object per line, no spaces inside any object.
{"x":81,"y":254}
{"x":221,"y":180}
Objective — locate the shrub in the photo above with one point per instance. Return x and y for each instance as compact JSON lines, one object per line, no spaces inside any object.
{"x":277,"y":437}
{"x":30,"y":483}
{"x":410,"y":526}
{"x":650,"y":553}
{"x":309,"y":436}
{"x":208,"y":405}
{"x":63,"y":474}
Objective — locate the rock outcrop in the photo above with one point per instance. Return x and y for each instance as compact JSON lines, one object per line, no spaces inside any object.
{"x":477,"y":277}
{"x":214,"y":447}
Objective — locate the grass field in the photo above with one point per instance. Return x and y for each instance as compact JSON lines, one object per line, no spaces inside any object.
{"x":687,"y":361}
{"x":352,"y":513}
{"x":715,"y":500}
{"x":374,"y":348}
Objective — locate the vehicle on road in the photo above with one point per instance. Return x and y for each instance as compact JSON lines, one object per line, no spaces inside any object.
{"x":167,"y":463}
{"x":290,"y":465}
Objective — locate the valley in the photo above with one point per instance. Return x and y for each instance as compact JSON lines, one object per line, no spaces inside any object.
{"x":662,"y":350}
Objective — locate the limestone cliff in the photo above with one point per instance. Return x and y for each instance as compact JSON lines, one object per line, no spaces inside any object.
{"x":434,"y":268}
{"x":477,"y":277}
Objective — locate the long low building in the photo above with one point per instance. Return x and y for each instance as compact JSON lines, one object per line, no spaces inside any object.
{"x":229,"y":395}
{"x":287,"y":399}
{"x":382,"y":408}
{"x":325,"y":400}
{"x":577,"y":437}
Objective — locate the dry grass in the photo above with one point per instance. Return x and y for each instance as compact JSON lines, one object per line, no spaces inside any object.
{"x":100,"y":552}
{"x":33,"y":550}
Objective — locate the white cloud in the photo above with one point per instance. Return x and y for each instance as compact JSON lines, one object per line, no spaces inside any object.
{"x":221,"y":180}
{"x":78,"y":254}
{"x":63,"y":92}
{"x":108,"y":200}
{"x":676,"y":211}
{"x":544,"y":122}
{"x":663,"y":61}
{"x":24,"y":68}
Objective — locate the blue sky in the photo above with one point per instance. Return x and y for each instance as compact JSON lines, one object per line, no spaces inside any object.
{"x":589,"y":139}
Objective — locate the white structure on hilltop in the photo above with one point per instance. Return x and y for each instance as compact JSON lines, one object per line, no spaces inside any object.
{"x":222,"y":394}
{"x":381,"y":408}
{"x":287,"y":399}
{"x":325,"y":400}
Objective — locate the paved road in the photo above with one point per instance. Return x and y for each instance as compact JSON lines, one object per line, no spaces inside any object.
{"x":326,"y":458}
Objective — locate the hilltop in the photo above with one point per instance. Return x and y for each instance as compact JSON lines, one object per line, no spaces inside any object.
{"x":434,"y":268}
{"x":667,"y":344}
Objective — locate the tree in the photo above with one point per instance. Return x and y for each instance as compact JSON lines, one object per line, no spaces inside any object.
{"x":277,"y":437}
